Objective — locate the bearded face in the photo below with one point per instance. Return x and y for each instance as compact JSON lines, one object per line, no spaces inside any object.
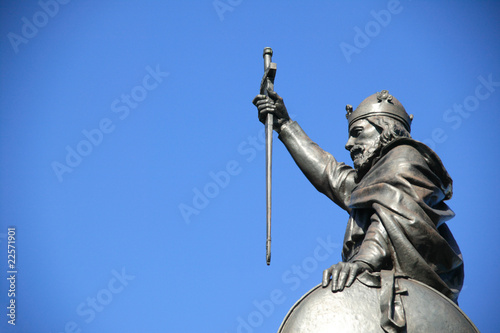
{"x":364,"y":143}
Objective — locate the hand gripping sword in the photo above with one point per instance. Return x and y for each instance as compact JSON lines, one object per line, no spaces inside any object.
{"x":266,"y":84}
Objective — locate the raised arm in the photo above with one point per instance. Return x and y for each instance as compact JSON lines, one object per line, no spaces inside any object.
{"x":334,"y":179}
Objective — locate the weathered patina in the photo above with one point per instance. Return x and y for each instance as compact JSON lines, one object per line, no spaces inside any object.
{"x":395,"y":197}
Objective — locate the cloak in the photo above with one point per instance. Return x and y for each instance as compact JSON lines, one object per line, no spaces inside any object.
{"x":397,"y":210}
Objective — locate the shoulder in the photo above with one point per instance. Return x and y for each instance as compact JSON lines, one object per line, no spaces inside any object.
{"x":403,"y":149}
{"x":400,"y":156}
{"x":408,"y":155}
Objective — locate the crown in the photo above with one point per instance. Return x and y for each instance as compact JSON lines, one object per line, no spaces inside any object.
{"x":379,"y":104}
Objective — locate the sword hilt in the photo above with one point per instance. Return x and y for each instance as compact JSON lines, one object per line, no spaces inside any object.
{"x":269,"y":71}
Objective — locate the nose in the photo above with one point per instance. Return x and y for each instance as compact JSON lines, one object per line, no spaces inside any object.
{"x":350,"y":143}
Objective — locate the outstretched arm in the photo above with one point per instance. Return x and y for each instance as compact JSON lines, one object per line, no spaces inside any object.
{"x":335,"y":180}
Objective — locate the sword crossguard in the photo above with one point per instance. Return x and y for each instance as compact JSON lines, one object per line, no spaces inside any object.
{"x":269,"y":71}
{"x":270,"y":74}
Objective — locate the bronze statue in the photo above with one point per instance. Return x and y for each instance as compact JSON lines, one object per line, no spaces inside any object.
{"x":395,"y":197}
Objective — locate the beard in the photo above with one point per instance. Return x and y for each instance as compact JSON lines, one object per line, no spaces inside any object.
{"x":362,"y":157}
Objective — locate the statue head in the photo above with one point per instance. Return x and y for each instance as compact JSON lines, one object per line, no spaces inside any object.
{"x":377,"y":121}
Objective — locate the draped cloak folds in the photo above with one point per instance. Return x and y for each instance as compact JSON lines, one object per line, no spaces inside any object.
{"x":397,"y":210}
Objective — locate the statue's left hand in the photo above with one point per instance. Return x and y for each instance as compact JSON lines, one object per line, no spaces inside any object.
{"x":343,"y":274}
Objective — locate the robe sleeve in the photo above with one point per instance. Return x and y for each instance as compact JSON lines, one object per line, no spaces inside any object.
{"x":374,"y":249}
{"x":335,"y":180}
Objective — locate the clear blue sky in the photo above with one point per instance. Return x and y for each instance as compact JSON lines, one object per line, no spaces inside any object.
{"x":116,"y":115}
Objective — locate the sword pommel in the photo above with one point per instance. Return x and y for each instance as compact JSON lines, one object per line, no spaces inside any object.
{"x":268,"y":50}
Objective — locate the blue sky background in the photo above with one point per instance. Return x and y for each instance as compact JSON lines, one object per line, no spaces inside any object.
{"x":117,"y":210}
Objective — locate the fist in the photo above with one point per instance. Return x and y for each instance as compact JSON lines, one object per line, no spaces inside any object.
{"x":271,"y":104}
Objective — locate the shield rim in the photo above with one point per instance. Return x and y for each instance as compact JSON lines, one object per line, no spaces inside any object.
{"x":289,"y":313}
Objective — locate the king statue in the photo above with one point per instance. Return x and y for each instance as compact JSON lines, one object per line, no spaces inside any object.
{"x":395,"y":197}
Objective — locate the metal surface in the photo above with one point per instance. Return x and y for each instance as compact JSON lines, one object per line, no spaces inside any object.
{"x":356,"y":310}
{"x":381,"y":103}
{"x":396,"y":200}
{"x":268,"y":84}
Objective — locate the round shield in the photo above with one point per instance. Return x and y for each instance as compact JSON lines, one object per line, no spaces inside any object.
{"x":357,"y":310}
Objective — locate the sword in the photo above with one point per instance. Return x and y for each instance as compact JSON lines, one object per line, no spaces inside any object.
{"x":268,"y":83}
